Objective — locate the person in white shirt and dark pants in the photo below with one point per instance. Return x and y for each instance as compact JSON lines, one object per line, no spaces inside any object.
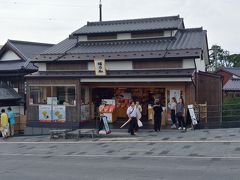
{"x":132,"y":114}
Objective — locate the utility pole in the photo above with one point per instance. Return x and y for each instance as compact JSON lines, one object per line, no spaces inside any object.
{"x":100,"y":11}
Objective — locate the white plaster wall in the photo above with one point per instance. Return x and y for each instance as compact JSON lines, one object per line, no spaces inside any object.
{"x":122,"y":36}
{"x":114,"y":65}
{"x":10,"y":55}
{"x":201,"y":65}
{"x":41,"y":66}
{"x":82,"y":38}
{"x":167,"y":33}
{"x":188,"y":63}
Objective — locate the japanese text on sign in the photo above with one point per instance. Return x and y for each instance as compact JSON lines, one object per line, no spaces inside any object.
{"x":100,"y":68}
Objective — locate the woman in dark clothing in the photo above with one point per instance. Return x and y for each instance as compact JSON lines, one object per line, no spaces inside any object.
{"x":180,"y":112}
{"x":157,"y":115}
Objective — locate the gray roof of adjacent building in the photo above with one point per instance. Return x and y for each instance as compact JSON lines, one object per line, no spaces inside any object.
{"x":233,"y":70}
{"x":131,"y":25}
{"x":232,"y":85}
{"x":26,"y":52}
{"x":8,"y":93}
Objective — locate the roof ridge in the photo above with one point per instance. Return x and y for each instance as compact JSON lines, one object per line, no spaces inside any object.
{"x":28,"y":42}
{"x":124,"y":21}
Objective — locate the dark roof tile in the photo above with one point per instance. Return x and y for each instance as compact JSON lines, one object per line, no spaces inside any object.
{"x":171,"y":22}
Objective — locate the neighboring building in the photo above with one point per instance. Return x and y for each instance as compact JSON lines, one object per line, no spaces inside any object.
{"x":231,"y":81}
{"x":141,"y":59}
{"x":15,"y":57}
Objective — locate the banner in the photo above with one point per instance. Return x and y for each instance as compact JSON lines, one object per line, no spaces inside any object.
{"x":192,"y":114}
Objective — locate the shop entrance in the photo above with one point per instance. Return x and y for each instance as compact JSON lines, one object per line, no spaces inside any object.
{"x":118,"y":99}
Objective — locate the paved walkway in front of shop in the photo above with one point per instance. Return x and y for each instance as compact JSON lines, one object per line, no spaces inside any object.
{"x":170,"y":154}
{"x":204,"y":135}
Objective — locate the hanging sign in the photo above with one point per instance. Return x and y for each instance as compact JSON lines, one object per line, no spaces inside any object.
{"x":100,"y":67}
{"x":45,"y":113}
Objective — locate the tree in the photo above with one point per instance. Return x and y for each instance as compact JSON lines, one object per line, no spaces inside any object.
{"x":234,"y":59}
{"x":218,"y":58}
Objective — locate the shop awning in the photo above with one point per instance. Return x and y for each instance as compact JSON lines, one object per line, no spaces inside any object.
{"x":8,"y":93}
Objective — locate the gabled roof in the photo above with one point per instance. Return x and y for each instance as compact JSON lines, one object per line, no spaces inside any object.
{"x":8,"y":93}
{"x":234,"y":71}
{"x":131,"y":25}
{"x":25,"y":50}
{"x":232,"y":85}
{"x":187,"y":42}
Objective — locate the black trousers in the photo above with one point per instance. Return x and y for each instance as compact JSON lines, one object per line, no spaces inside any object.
{"x":132,"y":125}
{"x":173,"y":116}
{"x":157,"y":123}
{"x":181,"y":121}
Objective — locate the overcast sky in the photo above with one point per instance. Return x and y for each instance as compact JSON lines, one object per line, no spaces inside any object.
{"x":51,"y":21}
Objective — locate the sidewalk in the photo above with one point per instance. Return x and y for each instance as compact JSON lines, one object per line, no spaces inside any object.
{"x":205,"y":135}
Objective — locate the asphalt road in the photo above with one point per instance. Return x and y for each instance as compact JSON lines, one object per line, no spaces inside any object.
{"x":143,"y":157}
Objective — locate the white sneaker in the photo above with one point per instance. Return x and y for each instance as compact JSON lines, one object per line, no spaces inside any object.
{"x":184,"y":128}
{"x":179,"y":128}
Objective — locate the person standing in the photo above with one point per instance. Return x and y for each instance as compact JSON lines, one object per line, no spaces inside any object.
{"x":11,"y":121}
{"x":172,"y":106}
{"x":4,"y":124}
{"x":157,"y":108}
{"x":180,"y":112}
{"x":132,"y":114}
{"x":139,"y":115}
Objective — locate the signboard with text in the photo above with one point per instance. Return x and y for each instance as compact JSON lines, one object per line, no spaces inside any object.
{"x":100,"y":67}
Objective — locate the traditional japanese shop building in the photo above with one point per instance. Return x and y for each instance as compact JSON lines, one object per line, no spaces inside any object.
{"x":140,"y":59}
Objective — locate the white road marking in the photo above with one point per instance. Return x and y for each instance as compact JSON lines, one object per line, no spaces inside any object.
{"x":116,"y":141}
{"x":124,"y":156}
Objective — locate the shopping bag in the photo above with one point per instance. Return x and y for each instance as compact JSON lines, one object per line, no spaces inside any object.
{"x":140,"y":124}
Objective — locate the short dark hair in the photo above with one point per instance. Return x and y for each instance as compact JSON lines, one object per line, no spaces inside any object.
{"x":9,"y":108}
{"x":3,"y":111}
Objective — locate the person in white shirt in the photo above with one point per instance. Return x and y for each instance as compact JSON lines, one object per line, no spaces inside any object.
{"x":172,"y":106}
{"x":132,"y":114}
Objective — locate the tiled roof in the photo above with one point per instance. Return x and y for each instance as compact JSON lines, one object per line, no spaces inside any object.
{"x":234,"y":70}
{"x":61,"y":47}
{"x":122,"y":73}
{"x":232,"y":85}
{"x":29,"y":49}
{"x":171,"y":22}
{"x":185,"y":39}
{"x":25,"y":50}
{"x":7,"y":93}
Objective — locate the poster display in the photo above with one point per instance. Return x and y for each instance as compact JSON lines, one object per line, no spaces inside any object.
{"x":45,"y":113}
{"x":59,"y":113}
{"x":49,"y":113}
{"x":176,"y":94}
